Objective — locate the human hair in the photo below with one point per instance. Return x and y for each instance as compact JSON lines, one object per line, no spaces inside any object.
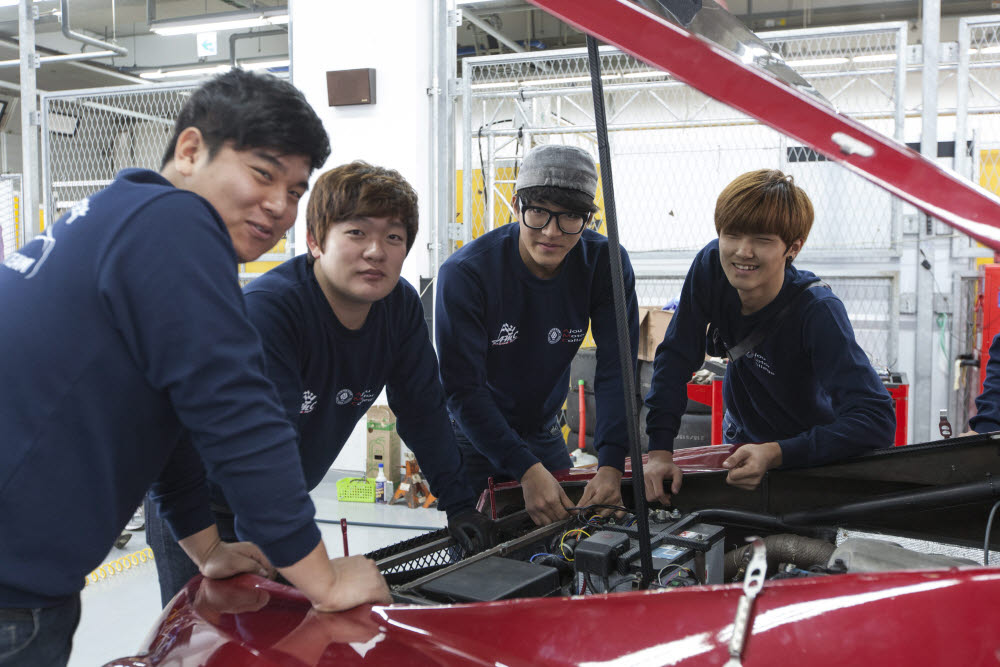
{"x":361,"y":190}
{"x":765,"y":201}
{"x":571,"y":200}
{"x":252,"y":110}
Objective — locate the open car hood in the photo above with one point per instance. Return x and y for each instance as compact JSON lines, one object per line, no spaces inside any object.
{"x":748,"y":81}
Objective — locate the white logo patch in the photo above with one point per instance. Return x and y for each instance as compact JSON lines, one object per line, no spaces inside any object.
{"x":344,"y":396}
{"x":557,"y":335}
{"x":308,"y":402}
{"x":508,"y":334}
{"x":363,"y":397}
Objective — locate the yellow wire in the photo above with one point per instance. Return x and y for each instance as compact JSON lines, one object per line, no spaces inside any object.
{"x":119,"y":565}
{"x":575,"y":530}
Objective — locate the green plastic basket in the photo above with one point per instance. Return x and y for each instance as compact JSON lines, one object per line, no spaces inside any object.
{"x":356,"y":489}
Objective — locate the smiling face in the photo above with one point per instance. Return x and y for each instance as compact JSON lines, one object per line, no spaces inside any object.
{"x":543,"y":250}
{"x":755,"y":265}
{"x":255,"y":191}
{"x":358,"y":264}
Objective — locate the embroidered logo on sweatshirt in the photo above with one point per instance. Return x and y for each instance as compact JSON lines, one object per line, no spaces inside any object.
{"x":363,"y":397}
{"x":760,"y":361}
{"x":508,"y":334}
{"x":557,"y":335}
{"x":308,"y":402}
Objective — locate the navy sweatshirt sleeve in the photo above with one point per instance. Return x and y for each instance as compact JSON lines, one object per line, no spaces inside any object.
{"x":180,"y":312}
{"x":417,"y":399}
{"x":461,"y":331}
{"x":680,"y":354}
{"x":987,"y":418}
{"x":863,"y":414}
{"x":611,"y":430}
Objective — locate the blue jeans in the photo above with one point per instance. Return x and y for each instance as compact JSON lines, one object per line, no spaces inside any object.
{"x":38,"y":637}
{"x":546,"y":443}
{"x":173,"y":567}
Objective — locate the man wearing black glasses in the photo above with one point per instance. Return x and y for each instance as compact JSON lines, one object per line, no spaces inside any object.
{"x":512,"y":309}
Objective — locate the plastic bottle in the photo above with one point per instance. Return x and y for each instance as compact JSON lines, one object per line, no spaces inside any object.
{"x":380,"y":481}
{"x":944,"y":426}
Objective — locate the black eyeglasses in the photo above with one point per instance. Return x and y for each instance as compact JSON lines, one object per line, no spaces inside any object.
{"x":568,"y":222}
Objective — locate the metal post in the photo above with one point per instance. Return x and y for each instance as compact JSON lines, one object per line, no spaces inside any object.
{"x":466,"y":157}
{"x":924,"y":350}
{"x":27,"y":15}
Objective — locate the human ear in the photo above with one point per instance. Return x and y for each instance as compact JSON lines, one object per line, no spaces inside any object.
{"x":314,"y":248}
{"x":189,"y":148}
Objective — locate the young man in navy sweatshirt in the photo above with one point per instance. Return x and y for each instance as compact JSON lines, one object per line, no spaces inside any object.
{"x":805,"y":394}
{"x":338,"y":324}
{"x":130,"y":330}
{"x":512,"y":308}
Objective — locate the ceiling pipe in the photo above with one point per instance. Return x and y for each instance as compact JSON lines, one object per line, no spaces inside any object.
{"x":490,"y":30}
{"x":106,"y":46}
{"x":248,"y":35}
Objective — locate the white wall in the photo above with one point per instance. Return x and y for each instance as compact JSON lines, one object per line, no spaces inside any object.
{"x":395,"y":131}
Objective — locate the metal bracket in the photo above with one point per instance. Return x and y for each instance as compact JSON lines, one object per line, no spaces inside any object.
{"x":456,"y":231}
{"x":752,"y":584}
{"x":454,"y":87}
{"x":907,"y":303}
{"x":942,"y":302}
{"x":34,"y":60}
{"x":454,"y":18}
{"x":35,"y":117}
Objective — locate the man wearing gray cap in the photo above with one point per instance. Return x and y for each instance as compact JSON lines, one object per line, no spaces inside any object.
{"x":512,"y":309}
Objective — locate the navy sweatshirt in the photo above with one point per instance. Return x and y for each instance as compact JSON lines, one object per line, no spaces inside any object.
{"x":506,"y":339}
{"x":807,"y":386}
{"x":327,"y":375}
{"x":125,"y":326}
{"x":987,"y":418}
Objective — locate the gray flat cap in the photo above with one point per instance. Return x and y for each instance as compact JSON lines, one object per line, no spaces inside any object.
{"x":560,"y":167}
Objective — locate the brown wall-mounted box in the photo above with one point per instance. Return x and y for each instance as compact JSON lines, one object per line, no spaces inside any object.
{"x":350,"y":86}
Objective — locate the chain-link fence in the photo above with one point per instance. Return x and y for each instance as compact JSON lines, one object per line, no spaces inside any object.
{"x":978,"y":114}
{"x":674,"y":149}
{"x":88,"y":136}
{"x":11,"y":226}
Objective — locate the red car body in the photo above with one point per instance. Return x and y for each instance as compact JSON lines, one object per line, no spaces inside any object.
{"x":924,"y":617}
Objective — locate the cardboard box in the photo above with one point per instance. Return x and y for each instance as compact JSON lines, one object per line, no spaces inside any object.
{"x":652,"y":327}
{"x":383,"y":443}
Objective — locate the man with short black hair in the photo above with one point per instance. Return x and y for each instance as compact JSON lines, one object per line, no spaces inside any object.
{"x":130,"y":331}
{"x":512,"y":309}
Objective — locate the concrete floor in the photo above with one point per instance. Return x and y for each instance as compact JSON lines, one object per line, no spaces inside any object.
{"x":119,"y":611}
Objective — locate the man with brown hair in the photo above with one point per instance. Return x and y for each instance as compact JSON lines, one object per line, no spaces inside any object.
{"x":338,"y":324}
{"x":798,"y":387}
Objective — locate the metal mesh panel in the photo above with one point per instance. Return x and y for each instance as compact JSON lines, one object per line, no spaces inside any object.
{"x":673,"y":148}
{"x":983,"y":102}
{"x":88,"y":136}
{"x":11,"y":229}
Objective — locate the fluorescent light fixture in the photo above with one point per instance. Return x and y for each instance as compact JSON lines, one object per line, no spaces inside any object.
{"x":816,"y":62}
{"x":179,"y":73}
{"x":989,"y":49}
{"x":265,"y":64}
{"x":11,"y":3}
{"x":193,"y":26}
{"x":875,"y":58}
